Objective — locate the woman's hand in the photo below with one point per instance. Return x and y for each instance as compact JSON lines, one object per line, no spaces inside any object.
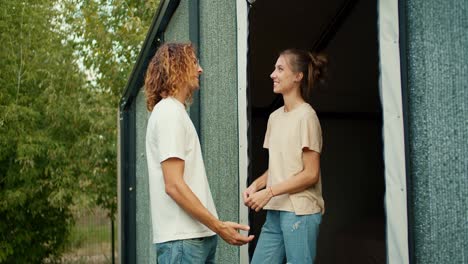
{"x":249,"y":192}
{"x":259,"y":199}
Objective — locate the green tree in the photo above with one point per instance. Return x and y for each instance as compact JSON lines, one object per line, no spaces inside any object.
{"x":63,"y":65}
{"x":108,"y":35}
{"x":42,"y":101}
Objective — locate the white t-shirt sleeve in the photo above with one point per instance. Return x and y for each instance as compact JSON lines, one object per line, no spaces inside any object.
{"x":171,"y":137}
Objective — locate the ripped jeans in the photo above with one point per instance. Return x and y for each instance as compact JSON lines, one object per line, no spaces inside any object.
{"x":286,"y":234}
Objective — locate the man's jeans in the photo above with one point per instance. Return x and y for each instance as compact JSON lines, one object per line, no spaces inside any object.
{"x":195,"y":250}
{"x":286,"y":234}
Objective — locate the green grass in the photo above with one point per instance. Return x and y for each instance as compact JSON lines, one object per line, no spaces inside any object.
{"x":90,"y":234}
{"x":90,"y":239}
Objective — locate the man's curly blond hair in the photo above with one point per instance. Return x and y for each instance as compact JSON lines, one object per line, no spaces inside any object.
{"x":171,"y":69}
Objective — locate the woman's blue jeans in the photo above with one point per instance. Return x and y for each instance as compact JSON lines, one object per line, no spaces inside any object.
{"x":286,"y":234}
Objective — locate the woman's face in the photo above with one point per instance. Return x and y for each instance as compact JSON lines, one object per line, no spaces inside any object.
{"x":284,"y":79}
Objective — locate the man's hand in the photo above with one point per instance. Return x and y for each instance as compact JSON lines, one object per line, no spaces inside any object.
{"x":228,"y":231}
{"x":259,"y":199}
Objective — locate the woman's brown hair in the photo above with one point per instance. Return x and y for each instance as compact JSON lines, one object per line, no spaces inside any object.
{"x":312,"y":66}
{"x":170,"y":70}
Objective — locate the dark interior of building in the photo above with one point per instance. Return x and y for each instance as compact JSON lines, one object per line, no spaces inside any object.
{"x":349,"y":109}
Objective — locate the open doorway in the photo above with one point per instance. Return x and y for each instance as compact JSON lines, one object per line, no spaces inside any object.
{"x":349,"y":109}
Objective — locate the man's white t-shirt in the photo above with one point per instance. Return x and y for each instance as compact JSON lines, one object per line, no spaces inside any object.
{"x":171,"y":134}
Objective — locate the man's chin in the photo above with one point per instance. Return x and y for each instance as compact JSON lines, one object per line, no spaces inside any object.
{"x":196,"y":86}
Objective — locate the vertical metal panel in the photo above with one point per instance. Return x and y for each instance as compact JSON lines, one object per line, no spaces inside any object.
{"x":437,"y":53}
{"x":218,"y":109}
{"x":127,"y":221}
{"x":145,"y":252}
{"x":178,"y":29}
{"x":404,"y":93}
{"x":194,"y":33}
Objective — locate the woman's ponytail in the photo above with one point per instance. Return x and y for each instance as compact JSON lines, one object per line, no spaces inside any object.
{"x":317,"y":68}
{"x":312,"y":66}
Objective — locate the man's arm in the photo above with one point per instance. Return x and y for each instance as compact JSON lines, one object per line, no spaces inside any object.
{"x":180,"y":192}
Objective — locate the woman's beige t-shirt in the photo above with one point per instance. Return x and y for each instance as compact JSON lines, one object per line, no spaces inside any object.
{"x":288,"y":133}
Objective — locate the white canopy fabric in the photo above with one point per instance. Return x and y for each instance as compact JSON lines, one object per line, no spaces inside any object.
{"x":394,"y":148}
{"x":242,"y":49}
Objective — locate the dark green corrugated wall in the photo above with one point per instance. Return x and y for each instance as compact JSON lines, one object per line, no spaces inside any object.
{"x":218,"y":112}
{"x":437,"y":55}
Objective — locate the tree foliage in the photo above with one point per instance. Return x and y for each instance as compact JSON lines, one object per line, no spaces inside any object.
{"x":39,"y":124}
{"x":108,"y":35}
{"x":63,"y":66}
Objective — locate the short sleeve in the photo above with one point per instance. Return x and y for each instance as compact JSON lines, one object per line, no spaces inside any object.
{"x":311,"y":133}
{"x":170,"y":137}
{"x":266,"y":141}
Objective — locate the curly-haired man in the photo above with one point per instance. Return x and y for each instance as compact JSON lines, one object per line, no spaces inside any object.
{"x":184,"y":218}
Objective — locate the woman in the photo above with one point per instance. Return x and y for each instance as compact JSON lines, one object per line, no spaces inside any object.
{"x":293,"y":195}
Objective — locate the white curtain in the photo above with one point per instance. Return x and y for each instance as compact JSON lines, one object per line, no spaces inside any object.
{"x":394,"y":149}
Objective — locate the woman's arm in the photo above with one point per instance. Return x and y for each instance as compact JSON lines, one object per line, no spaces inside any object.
{"x":258,"y":184}
{"x":299,"y":182}
{"x":304,"y":179}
